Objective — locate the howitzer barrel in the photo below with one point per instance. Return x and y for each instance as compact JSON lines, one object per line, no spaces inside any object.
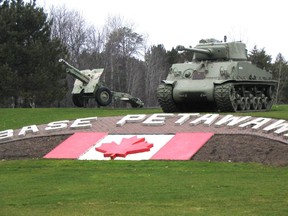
{"x":197,"y":50}
{"x":75,"y":72}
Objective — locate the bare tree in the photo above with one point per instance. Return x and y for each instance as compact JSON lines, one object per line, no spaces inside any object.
{"x":70,"y":27}
{"x":157,"y":68}
{"x":92,"y":55}
{"x":280,"y":69}
{"x":122,"y":46}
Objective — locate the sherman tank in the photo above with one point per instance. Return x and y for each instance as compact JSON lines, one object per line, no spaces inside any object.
{"x":219,"y":78}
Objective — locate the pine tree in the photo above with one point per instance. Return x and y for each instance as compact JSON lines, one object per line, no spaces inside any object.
{"x":260,"y":58}
{"x":28,"y":56}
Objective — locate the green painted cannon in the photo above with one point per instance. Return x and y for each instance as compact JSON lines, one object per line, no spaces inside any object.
{"x":87,"y":86}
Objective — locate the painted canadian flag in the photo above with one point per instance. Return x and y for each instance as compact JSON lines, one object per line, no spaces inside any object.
{"x":103,"y":146}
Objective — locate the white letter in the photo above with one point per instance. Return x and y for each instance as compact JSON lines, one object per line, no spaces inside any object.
{"x":31,"y":128}
{"x":157,"y":119}
{"x":130,"y":118}
{"x":57,"y":126}
{"x":233,"y":121}
{"x":208,"y":119}
{"x":185,"y":117}
{"x":279,"y":124}
{"x":83,"y":123}
{"x":258,"y":122}
{"x":6,"y":135}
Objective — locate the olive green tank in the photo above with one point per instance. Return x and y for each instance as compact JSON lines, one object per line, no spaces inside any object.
{"x":219,"y":78}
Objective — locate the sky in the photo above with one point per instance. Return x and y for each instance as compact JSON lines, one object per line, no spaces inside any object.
{"x":185,"y":22}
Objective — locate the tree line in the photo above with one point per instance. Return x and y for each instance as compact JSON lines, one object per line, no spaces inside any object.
{"x":32,"y":42}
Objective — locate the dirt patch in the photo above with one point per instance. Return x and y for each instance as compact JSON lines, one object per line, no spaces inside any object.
{"x":221,"y":147}
{"x":30,"y":148}
{"x":239,"y":148}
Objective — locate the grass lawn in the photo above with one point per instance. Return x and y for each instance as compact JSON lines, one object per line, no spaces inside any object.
{"x":17,"y":118}
{"x":277,"y":112}
{"x":67,"y":187}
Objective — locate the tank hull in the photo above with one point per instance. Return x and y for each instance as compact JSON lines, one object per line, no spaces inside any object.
{"x":219,"y":77}
{"x":228,"y":96}
{"x":190,"y":90}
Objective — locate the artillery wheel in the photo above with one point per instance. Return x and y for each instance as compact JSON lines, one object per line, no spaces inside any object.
{"x":165,"y":98}
{"x":103,"y":96}
{"x":78,"y":100}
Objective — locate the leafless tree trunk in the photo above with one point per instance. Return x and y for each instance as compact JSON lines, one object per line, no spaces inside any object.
{"x":281,"y":69}
{"x":70,"y":27}
{"x":122,"y":46}
{"x":156,"y":70}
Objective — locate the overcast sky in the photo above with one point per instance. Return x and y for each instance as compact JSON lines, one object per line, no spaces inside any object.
{"x":262,"y":23}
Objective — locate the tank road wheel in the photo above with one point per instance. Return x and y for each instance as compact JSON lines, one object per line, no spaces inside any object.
{"x":259,"y":103}
{"x":241,"y":103}
{"x":232,"y":97}
{"x":254,"y":103}
{"x":103,"y":96}
{"x":247,"y":103}
{"x":165,"y":98}
{"x":264,"y":102}
{"x":269,"y":92}
{"x":78,"y":100}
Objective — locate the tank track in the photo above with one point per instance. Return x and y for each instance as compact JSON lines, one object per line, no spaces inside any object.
{"x":165,"y":98}
{"x":244,"y":97}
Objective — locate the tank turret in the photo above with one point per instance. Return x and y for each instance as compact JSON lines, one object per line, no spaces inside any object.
{"x":219,"y":78}
{"x":215,"y":50}
{"x":202,"y":51}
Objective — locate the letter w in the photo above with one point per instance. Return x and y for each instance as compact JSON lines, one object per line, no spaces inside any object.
{"x":279,"y":125}
{"x":231,"y":121}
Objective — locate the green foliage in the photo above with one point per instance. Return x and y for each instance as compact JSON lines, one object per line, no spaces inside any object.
{"x":173,"y":56}
{"x":28,"y":57}
{"x":67,"y":187}
{"x":260,"y":58}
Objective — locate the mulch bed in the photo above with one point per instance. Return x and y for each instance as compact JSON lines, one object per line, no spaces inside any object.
{"x":223,"y":148}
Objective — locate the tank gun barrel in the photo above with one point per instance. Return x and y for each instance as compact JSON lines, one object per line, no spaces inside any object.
{"x":75,"y":72}
{"x":197,"y":50}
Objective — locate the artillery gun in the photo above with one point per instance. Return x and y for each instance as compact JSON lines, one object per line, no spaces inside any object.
{"x":219,"y":78}
{"x":87,"y":85}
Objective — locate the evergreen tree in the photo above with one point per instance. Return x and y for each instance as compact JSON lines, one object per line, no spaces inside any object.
{"x":260,"y":58}
{"x":280,"y":73}
{"x":28,"y":56}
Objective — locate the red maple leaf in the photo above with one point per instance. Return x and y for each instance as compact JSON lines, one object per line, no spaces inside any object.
{"x":127,"y":146}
